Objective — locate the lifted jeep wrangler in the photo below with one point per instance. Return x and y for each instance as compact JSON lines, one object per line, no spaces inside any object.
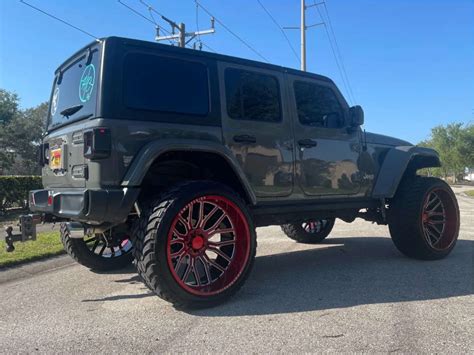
{"x":172,"y":157}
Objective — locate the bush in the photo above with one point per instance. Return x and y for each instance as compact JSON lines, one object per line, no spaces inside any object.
{"x":14,"y":190}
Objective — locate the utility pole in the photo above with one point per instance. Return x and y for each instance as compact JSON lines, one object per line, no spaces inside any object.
{"x":302,"y":27}
{"x":182,"y":36}
{"x":303,"y":35}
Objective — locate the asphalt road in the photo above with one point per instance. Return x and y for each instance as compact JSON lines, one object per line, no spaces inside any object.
{"x":355,"y":292}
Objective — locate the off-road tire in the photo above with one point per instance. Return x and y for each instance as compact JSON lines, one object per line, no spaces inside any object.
{"x":78,"y":250}
{"x":151,"y":243}
{"x":407,"y":218}
{"x":296,"y":232}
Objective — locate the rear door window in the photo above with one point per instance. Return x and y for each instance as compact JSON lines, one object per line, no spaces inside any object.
{"x":252,"y":96}
{"x":165,"y":84}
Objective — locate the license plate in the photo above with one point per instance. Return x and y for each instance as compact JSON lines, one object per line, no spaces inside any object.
{"x":55,"y":159}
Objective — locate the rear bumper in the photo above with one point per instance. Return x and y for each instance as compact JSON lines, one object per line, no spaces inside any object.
{"x":85,"y":205}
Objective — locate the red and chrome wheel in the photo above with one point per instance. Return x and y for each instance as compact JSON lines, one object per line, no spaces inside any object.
{"x":309,"y":231}
{"x":203,"y":244}
{"x":208,"y":245}
{"x":424,"y":218}
{"x":438,"y":219}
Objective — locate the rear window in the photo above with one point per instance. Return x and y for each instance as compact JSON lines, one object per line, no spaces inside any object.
{"x":165,"y":84}
{"x":75,"y":90}
{"x":252,"y":96}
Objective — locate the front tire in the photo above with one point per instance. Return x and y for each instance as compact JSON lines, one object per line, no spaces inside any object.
{"x":424,"y":218}
{"x":107,"y":251}
{"x":310,"y":231}
{"x":195,"y":245}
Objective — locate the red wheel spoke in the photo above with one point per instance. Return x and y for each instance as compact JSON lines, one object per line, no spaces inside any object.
{"x":209,"y":215}
{"x":178,"y":234}
{"x":177,"y":241}
{"x":432,"y":198}
{"x":432,"y":222}
{"x":179,"y":262}
{"x":197,"y":277}
{"x":200,"y":214}
{"x":213,"y":263}
{"x":180,"y":252}
{"x":220,"y":253}
{"x":434,"y":228}
{"x":190,"y":216}
{"x":435,"y":207}
{"x":220,"y":231}
{"x":222,"y":243}
{"x":205,"y":265}
{"x":184,"y":223}
{"x":188,"y":269}
{"x":216,"y":224}
{"x":432,"y":214}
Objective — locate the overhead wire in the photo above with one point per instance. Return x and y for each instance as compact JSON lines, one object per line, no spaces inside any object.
{"x":232,"y":32}
{"x":336,"y":53}
{"x":61,"y":20}
{"x":281,"y":30}
{"x":152,"y":21}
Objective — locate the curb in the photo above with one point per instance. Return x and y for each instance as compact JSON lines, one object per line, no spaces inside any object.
{"x":33,"y":268}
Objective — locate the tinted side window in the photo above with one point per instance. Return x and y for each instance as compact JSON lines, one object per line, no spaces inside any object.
{"x":317,"y":105}
{"x":252,"y":96}
{"x":165,"y":84}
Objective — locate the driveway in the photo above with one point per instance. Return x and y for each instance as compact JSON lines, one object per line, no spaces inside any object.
{"x":354,"y":292}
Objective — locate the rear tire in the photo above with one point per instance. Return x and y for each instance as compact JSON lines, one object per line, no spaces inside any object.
{"x":195,"y":245}
{"x":309,"y":232}
{"x":424,"y":218}
{"x":96,"y":253}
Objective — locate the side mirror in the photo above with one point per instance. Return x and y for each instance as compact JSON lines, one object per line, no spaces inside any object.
{"x":356,"y":114}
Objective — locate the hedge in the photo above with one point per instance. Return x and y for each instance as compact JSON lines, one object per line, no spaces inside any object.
{"x":14,"y":190}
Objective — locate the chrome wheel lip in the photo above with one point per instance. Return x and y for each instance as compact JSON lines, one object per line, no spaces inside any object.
{"x":202,"y":275}
{"x":314,"y":226}
{"x":435,"y":220}
{"x":99,"y":246}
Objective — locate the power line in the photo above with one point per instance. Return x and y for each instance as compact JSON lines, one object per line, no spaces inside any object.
{"x":60,"y":20}
{"x":281,"y":30}
{"x":233,"y":33}
{"x":208,"y":47}
{"x":336,"y":49}
{"x":153,"y":22}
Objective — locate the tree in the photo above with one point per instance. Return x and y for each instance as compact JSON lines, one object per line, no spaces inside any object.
{"x":20,"y":135}
{"x":25,"y":132}
{"x":8,"y":106}
{"x":455,"y":145}
{"x":8,"y":111}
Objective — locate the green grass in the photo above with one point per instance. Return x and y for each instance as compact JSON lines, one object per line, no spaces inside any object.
{"x":46,"y":244}
{"x":470,"y":193}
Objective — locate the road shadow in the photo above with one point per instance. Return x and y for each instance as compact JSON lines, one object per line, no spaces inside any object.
{"x":347,"y":272}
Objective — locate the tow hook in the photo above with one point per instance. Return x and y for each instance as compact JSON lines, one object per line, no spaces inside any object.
{"x":27,"y":226}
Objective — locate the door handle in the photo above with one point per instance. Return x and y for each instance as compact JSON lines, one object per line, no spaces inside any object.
{"x":307,"y":143}
{"x":245,"y":138}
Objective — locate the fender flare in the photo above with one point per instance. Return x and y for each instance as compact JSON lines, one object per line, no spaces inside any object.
{"x":150,"y":152}
{"x":396,"y":163}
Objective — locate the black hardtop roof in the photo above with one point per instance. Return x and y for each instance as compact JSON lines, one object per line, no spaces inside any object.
{"x":220,"y":57}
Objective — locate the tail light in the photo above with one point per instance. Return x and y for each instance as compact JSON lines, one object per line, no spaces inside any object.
{"x":97,"y":143}
{"x":43,"y":154}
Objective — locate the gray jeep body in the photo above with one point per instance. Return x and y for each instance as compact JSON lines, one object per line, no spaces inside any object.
{"x":285,"y":171}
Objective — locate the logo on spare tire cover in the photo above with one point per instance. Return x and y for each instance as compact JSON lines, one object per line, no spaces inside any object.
{"x":86,"y":85}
